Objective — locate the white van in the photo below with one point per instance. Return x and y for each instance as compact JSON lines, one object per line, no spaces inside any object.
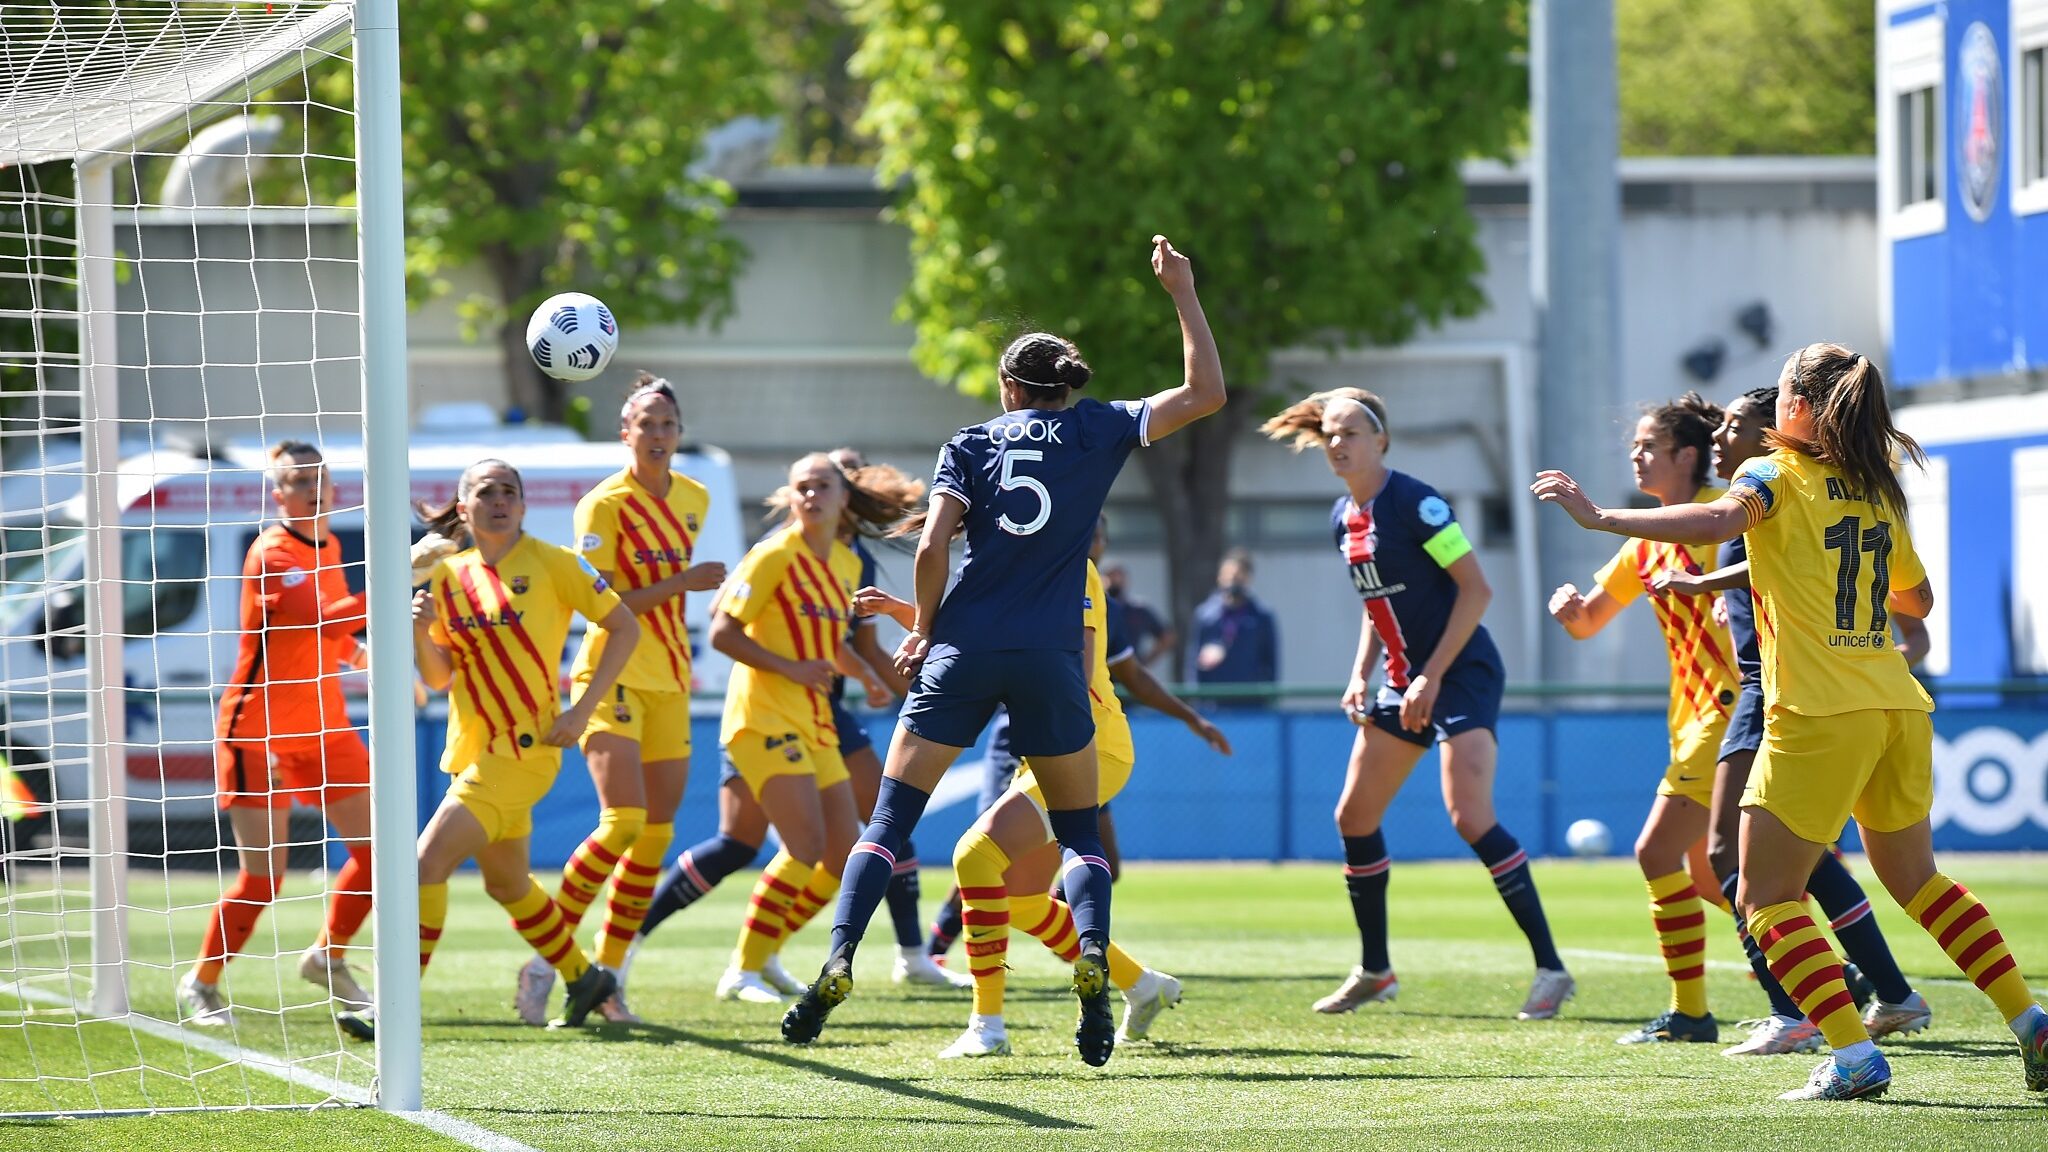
{"x":187,"y":524}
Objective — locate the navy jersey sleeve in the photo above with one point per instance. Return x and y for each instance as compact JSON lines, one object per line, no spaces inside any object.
{"x":1435,"y":525}
{"x":1118,"y":425}
{"x":1119,"y":631}
{"x":954,"y":473}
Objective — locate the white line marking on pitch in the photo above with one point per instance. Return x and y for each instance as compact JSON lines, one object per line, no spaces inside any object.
{"x":462,"y":1131}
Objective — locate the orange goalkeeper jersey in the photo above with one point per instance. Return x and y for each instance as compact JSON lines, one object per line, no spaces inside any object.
{"x":299,"y":622}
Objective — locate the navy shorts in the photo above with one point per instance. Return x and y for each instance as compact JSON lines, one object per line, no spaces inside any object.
{"x":1746,"y":722}
{"x":955,"y":696}
{"x":726,"y":769}
{"x":853,"y":735}
{"x":1469,"y":699}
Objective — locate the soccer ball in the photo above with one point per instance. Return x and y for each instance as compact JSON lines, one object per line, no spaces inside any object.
{"x":572,"y":336}
{"x":1588,"y":838}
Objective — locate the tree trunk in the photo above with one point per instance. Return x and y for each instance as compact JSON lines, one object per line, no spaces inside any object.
{"x":540,"y":396}
{"x":1190,"y":476}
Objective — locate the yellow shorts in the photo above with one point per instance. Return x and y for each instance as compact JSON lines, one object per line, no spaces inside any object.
{"x":759,"y":757}
{"x":1694,"y":754}
{"x":1814,"y":772}
{"x":501,"y":792}
{"x":1111,"y":774}
{"x":657,"y":721}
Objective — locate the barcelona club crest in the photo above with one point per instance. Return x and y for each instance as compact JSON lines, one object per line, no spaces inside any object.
{"x":1979,"y":120}
{"x":519,"y":585}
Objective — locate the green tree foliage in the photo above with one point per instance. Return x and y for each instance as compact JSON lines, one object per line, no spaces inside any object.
{"x":548,"y":142}
{"x":1304,"y":153}
{"x":1747,"y":77}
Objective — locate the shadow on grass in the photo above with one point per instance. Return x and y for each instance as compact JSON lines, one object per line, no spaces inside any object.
{"x":679,"y":1113}
{"x":1969,"y":1048}
{"x":1182,"y":1051}
{"x":779,"y":1056}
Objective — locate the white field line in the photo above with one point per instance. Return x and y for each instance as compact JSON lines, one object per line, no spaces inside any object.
{"x":440,"y":1122}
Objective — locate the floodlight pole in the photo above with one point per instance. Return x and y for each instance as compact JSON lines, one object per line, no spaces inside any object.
{"x":1574,"y":277}
{"x":394,"y":816}
{"x":106,"y":710}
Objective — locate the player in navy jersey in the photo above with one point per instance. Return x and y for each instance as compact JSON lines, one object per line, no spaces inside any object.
{"x":913,"y":964}
{"x":1890,"y":1005}
{"x":1027,"y":488}
{"x":1424,"y":595}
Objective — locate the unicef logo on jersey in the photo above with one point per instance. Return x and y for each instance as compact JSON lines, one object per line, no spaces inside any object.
{"x":1989,"y":782}
{"x":1433,"y":511}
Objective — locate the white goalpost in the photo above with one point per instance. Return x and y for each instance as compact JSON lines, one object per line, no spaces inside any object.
{"x":201,"y":254}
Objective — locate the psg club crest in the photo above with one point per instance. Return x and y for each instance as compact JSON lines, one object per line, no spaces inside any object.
{"x":519,"y":585}
{"x":1979,"y":120}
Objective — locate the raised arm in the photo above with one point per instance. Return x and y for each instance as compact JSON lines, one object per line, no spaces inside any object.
{"x":1710,"y":523}
{"x":1719,"y":580}
{"x":1201,"y":391}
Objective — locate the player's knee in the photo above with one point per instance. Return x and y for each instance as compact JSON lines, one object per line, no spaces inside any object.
{"x":507,"y":889}
{"x":621,"y":826}
{"x":1722,"y":855}
{"x":1472,"y":824}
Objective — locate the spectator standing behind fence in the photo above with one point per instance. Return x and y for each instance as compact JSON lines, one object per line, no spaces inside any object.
{"x":1150,"y":634}
{"x":1237,"y":641}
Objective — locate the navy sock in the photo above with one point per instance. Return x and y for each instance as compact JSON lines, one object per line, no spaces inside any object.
{"x":1781,"y":1003}
{"x":864,"y":884}
{"x":1085,"y":871}
{"x":902,"y":899}
{"x":697,"y":871}
{"x":1510,"y":867}
{"x":1848,"y":909}
{"x":946,"y":925}
{"x":1366,"y":872}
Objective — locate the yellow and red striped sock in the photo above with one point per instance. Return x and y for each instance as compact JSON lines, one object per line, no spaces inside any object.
{"x":1808,"y":969}
{"x":978,"y":865}
{"x":767,"y":920}
{"x":592,"y":862}
{"x":633,"y":884}
{"x":1051,"y":923}
{"x":433,"y":915}
{"x":1681,"y":921}
{"x":1961,"y":924}
{"x":537,"y":918}
{"x":817,"y":893}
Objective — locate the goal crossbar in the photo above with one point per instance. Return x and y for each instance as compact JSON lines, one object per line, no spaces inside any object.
{"x":195,"y":59}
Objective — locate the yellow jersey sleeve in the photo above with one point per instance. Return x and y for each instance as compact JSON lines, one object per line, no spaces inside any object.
{"x":1619,"y":578}
{"x":752,"y":586}
{"x":1907,"y":571}
{"x":579,"y":584}
{"x":1759,"y":485}
{"x":1095,"y":618}
{"x":597,"y":528}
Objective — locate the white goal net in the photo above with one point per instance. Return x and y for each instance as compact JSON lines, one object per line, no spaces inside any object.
{"x":184,"y":831}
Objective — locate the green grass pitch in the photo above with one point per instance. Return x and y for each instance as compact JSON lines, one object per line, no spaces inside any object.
{"x":1242,"y":1064}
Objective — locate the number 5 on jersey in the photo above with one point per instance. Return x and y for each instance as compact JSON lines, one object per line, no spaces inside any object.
{"x":1010,"y":480}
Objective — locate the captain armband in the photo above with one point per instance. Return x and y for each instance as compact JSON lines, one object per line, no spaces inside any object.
{"x":1448,"y":546}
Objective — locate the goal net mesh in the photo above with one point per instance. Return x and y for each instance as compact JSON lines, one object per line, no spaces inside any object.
{"x":179,"y":289}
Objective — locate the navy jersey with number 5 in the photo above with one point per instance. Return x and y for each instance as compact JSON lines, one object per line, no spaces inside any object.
{"x":1397,"y":548}
{"x":1033,"y":484}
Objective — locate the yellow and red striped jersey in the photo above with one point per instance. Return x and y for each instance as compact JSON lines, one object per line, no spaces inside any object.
{"x":1704,"y":679}
{"x":1112,"y":730}
{"x":797,"y":606}
{"x":642,"y":539}
{"x":1823,"y":560}
{"x":504,"y":626}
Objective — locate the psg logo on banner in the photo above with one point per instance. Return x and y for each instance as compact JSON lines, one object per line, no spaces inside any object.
{"x":1979,"y":120}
